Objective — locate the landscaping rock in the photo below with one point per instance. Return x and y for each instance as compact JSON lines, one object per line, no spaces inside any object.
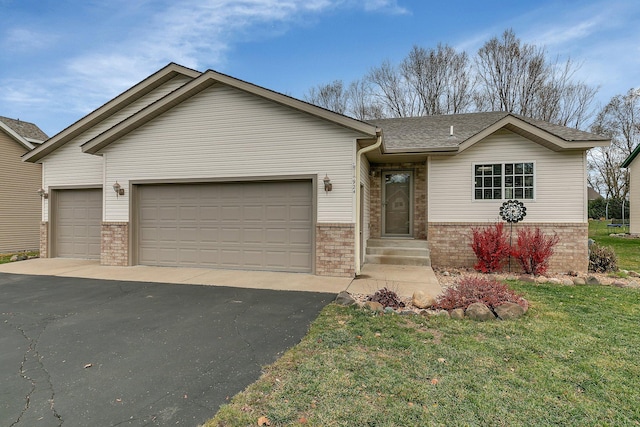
{"x":633,"y":284}
{"x":422,"y":300}
{"x":542,"y":279}
{"x":592,"y":280}
{"x":479,"y":311}
{"x":579,"y":281}
{"x":374,"y":306}
{"x":554,"y":281}
{"x":619,"y":284}
{"x":567,"y":282}
{"x":13,"y":258}
{"x":345,"y":298}
{"x":389,"y":310}
{"x":457,"y":313}
{"x":525,"y":278}
{"x":509,"y":311}
{"x":443,"y":313}
{"x":633,"y":273}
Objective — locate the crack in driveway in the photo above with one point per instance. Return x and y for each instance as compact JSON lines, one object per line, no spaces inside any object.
{"x":33,"y":371}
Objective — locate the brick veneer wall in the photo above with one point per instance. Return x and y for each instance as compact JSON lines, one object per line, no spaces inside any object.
{"x":419,"y":197}
{"x":115,"y":244}
{"x":449,"y":245}
{"x":44,"y":239}
{"x":335,"y":249}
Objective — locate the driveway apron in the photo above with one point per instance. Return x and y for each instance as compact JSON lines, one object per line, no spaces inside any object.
{"x":78,"y":352}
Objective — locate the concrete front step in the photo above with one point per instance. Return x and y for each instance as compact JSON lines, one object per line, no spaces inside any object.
{"x":398,"y":260}
{"x":398,"y":243}
{"x":398,"y":252}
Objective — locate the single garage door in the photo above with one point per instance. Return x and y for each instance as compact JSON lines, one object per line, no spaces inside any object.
{"x":77,"y":223}
{"x":240,"y":225}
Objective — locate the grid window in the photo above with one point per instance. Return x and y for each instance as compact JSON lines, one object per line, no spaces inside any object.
{"x":498,"y":181}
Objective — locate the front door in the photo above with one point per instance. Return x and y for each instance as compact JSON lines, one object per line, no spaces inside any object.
{"x":397,"y":204}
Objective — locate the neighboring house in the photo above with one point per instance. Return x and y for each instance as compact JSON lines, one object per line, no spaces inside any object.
{"x":202,"y":169}
{"x":20,"y":207}
{"x":592,"y":194}
{"x":633,"y":164}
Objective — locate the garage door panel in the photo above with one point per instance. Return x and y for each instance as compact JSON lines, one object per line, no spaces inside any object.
{"x":248,"y":225}
{"x":77,"y":223}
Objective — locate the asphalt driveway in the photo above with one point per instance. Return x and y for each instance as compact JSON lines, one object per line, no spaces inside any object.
{"x":78,"y":352}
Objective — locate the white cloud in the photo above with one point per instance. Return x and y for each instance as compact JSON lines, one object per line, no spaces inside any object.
{"x":25,"y":40}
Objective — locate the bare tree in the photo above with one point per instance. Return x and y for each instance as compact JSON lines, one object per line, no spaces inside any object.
{"x":361,"y":102}
{"x":393,"y":91}
{"x":331,"y":96}
{"x":620,"y":120}
{"x":440,"y":79}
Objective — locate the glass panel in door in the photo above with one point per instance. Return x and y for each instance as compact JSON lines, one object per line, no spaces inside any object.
{"x":397,"y":197}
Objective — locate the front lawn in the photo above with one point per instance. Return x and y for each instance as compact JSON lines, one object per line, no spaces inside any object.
{"x":627,"y":249}
{"x":572,"y":360}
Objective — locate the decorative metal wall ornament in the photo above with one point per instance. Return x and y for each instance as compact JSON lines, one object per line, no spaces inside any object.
{"x":513,"y":211}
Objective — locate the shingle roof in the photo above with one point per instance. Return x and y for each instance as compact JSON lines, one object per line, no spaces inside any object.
{"x":25,"y":129}
{"x":433,"y":132}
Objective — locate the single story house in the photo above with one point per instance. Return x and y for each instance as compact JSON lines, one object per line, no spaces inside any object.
{"x":19,"y":203}
{"x":192,"y":168}
{"x":633,"y":165}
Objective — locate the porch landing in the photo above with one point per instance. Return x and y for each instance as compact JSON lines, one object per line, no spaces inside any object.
{"x":403,"y":279}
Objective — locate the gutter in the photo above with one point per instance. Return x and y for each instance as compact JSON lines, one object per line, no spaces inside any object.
{"x":358,"y":191}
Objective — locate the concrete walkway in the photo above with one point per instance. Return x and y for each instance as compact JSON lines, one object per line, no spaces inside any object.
{"x":404,"y":280}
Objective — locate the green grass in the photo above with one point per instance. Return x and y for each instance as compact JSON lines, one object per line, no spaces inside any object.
{"x":5,"y":258}
{"x":627,"y":250}
{"x":572,"y":360}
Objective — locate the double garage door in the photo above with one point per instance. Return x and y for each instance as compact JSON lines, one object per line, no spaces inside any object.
{"x":240,"y":225}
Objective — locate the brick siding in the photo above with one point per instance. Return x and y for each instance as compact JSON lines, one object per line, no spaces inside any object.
{"x":44,"y":239}
{"x":335,"y":249}
{"x":450,"y":245}
{"x":115,"y":244}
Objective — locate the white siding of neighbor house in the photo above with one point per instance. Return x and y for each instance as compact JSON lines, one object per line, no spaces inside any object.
{"x":634,"y":196}
{"x":560,"y":182}
{"x":226,"y":134}
{"x":68,"y":166}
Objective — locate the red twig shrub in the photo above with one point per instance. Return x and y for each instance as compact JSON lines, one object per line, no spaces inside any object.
{"x":533,"y":250}
{"x":470,"y":289}
{"x":491,"y":246}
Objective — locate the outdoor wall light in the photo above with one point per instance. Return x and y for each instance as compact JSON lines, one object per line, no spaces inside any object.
{"x":43,"y":194}
{"x":118,"y":189}
{"x":328,"y":186}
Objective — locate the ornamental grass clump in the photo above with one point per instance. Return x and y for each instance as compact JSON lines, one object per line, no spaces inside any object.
{"x":491,"y":246}
{"x":602,"y":259}
{"x":470,"y":289}
{"x":387,"y":298}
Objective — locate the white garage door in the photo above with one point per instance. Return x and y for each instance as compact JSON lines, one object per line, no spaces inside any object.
{"x":77,"y":223}
{"x":240,"y":225}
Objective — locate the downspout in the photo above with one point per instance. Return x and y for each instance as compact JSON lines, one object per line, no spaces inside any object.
{"x":359,"y":154}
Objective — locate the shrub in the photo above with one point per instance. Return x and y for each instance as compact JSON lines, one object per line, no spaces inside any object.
{"x":491,"y":246}
{"x":534,"y":250}
{"x":470,"y":289}
{"x":602,"y":259}
{"x":387,"y":298}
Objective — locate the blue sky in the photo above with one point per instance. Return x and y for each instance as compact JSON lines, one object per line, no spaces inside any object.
{"x":61,"y":59}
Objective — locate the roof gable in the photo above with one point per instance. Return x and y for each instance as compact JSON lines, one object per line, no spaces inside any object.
{"x":208,"y":79}
{"x":110,"y":108}
{"x":25,"y":133}
{"x":455,"y":133}
{"x":627,"y":162}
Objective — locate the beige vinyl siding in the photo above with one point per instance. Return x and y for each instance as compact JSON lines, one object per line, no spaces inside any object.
{"x":634,"y":196}
{"x":560,"y":182}
{"x":226,"y":134}
{"x":68,"y":166}
{"x":19,"y":202}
